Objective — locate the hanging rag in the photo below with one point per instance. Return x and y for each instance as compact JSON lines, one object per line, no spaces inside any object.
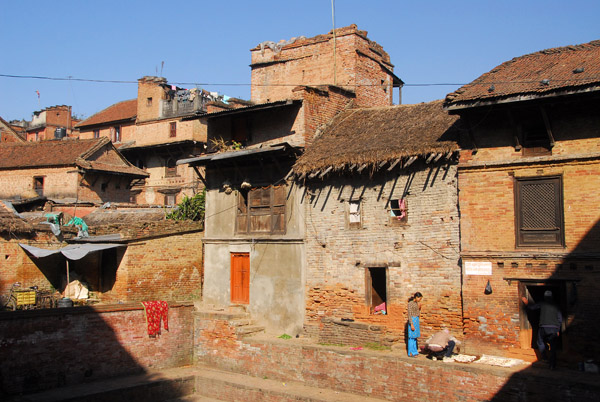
{"x":155,"y":311}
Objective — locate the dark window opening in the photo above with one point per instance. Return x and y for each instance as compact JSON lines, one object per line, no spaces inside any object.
{"x":38,"y":185}
{"x":261,"y":210}
{"x":539,"y":212}
{"x":96,"y":133}
{"x":173,"y":129}
{"x":171,"y":168}
{"x":535,"y":139}
{"x":103,"y":187}
{"x":240,"y":130}
{"x":149,"y":101}
{"x":376,"y":290}
{"x":116,"y":134}
{"x":398,"y":211}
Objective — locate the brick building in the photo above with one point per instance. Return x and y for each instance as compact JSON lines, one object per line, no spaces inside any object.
{"x":50,"y":123}
{"x":255,"y":225}
{"x":115,"y":268}
{"x":152,"y":134}
{"x":380,"y":207}
{"x":76,"y":170}
{"x":528,"y":180}
{"x":344,"y":57}
{"x":8,"y":132}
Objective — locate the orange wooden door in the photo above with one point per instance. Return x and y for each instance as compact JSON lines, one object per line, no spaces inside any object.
{"x":240,"y":278}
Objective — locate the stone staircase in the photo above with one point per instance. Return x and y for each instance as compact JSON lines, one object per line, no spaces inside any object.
{"x":236,"y":315}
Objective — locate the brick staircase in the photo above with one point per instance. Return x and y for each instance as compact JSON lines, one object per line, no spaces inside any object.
{"x":236,"y":315}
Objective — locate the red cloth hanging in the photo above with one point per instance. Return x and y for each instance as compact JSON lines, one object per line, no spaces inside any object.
{"x":155,"y":311}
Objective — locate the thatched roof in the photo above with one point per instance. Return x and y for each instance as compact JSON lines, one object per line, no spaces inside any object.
{"x":376,"y":136}
{"x":545,"y":73}
{"x":10,"y":222}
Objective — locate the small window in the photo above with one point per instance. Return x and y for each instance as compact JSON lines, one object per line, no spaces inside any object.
{"x":376,"y":289}
{"x":170,"y":199}
{"x":354,"y":215}
{"x":149,"y":101}
{"x":96,"y":133}
{"x":173,"y":129}
{"x":171,"y":168}
{"x":38,"y":185}
{"x":534,"y":134}
{"x":116,"y":134}
{"x":539,"y":212}
{"x":398,"y":211}
{"x":103,"y":187}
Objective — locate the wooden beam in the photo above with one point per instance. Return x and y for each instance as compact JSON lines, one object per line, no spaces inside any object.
{"x":548,"y":127}
{"x":290,"y":173}
{"x":516,"y":130}
{"x":449,"y":155}
{"x":382,"y":164}
{"x":302,"y":176}
{"x":326,"y":171}
{"x":410,"y":161}
{"x":313,"y":174}
{"x":430,"y":158}
{"x":437,"y":157}
{"x":360,"y":169}
{"x":393,"y":165}
{"x":200,"y":176}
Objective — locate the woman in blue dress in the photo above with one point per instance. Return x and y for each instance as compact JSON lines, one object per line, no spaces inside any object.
{"x":413,"y":326}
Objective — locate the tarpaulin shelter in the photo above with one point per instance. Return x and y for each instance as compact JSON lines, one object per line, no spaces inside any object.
{"x":73,"y":252}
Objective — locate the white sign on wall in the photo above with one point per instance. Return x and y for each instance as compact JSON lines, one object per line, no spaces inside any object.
{"x":478,"y":268}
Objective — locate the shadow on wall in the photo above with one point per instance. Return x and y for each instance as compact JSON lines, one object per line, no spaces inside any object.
{"x":51,"y":348}
{"x":575,"y":284}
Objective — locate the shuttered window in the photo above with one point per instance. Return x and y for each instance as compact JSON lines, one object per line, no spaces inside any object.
{"x":261,"y":210}
{"x":539,"y":210}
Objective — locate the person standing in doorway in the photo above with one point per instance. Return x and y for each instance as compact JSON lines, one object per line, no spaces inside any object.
{"x":549,"y":328}
{"x":413,"y":325}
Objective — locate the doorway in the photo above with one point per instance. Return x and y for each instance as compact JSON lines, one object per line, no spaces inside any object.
{"x":240,"y":278}
{"x":529,"y":319}
{"x":376,"y":287}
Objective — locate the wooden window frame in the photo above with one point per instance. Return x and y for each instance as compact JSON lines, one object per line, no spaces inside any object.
{"x":261,"y":210}
{"x":173,"y":129}
{"x":39,"y":189}
{"x":539,"y":237}
{"x":349,"y":213}
{"x":394,"y":218}
{"x":171,"y":171}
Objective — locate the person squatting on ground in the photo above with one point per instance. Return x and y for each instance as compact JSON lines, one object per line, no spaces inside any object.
{"x":549,"y":328}
{"x":413,"y":325}
{"x":442,"y":343}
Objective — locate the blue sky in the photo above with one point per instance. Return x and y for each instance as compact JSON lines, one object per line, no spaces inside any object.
{"x":429,"y":42}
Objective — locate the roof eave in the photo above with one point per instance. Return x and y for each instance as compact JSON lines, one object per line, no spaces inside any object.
{"x":453,"y":108}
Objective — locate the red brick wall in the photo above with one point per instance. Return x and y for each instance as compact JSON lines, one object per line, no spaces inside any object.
{"x":43,"y":349}
{"x":166,"y":267}
{"x":421,"y":255}
{"x":311,"y":62}
{"x":487,"y":204}
{"x":386,"y":375}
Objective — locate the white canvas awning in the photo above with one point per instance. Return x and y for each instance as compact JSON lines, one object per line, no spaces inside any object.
{"x":71,"y":252}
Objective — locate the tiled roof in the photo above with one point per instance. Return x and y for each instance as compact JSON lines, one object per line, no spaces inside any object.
{"x":63,"y":153}
{"x":125,"y":110}
{"x":545,"y":73}
{"x":46,"y":153}
{"x":374,"y":135}
{"x":4,"y":125}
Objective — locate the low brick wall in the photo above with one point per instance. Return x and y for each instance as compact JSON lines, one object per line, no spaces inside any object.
{"x":352,"y":333}
{"x":387,"y":375}
{"x":44,"y":349}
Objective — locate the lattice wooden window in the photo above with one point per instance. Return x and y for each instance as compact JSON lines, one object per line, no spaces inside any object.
{"x":539,"y":212}
{"x":261,"y":210}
